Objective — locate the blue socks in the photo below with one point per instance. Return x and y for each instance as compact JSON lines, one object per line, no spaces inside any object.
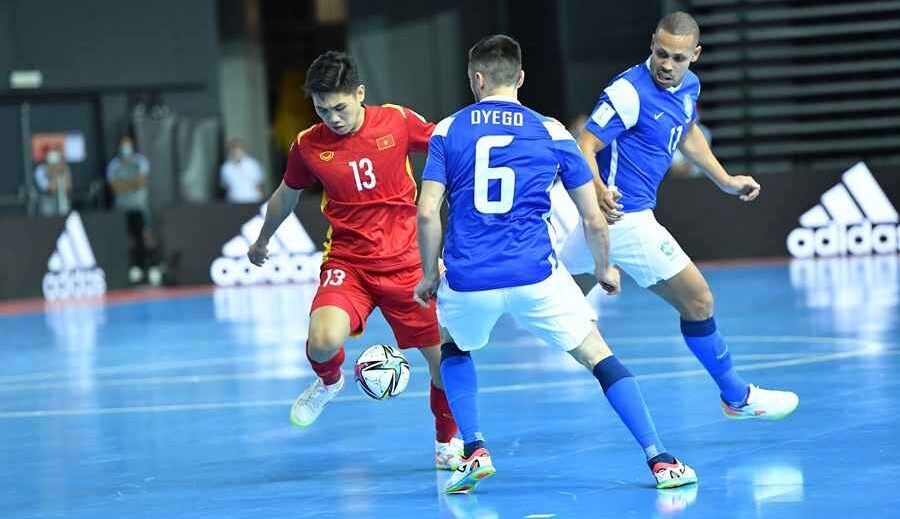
{"x":708,"y":345}
{"x":461,"y":387}
{"x":625,"y":397}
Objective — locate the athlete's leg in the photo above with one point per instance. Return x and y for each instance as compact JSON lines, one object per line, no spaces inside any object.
{"x":467,"y":319}
{"x":417,"y":327}
{"x":329,"y":328}
{"x":555,"y":311}
{"x":339,"y":309}
{"x":461,"y":381}
{"x":689,"y":293}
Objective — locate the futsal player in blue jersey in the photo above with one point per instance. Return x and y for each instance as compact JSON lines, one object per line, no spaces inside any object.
{"x":641,"y":118}
{"x":495,"y":161}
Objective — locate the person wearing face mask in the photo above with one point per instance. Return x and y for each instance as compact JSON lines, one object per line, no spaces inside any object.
{"x":241,"y":176}
{"x":54,"y":181}
{"x":127,"y":175}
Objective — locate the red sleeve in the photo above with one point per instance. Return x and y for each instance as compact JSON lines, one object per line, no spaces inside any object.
{"x":419,"y":130}
{"x":297,"y":175}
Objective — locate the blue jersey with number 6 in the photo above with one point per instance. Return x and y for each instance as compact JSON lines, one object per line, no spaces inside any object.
{"x":498,"y":160}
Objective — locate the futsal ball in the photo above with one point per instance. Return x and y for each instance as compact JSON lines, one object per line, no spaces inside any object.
{"x":382,"y":371}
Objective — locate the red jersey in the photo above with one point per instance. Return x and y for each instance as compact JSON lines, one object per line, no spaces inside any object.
{"x":369,"y":191}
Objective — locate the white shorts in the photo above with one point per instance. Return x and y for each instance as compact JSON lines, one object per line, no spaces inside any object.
{"x":638,"y":244}
{"x":554,"y":309}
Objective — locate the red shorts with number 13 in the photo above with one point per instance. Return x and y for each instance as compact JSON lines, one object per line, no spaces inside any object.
{"x":358,"y":292}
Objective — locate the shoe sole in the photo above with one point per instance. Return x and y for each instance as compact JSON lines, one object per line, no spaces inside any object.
{"x":675,"y":483}
{"x":471,"y":480}
{"x":768,"y":417}
{"x":300,"y":425}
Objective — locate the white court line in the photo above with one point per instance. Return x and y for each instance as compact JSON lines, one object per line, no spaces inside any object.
{"x":293,"y":373}
{"x":528,"y":341}
{"x":868,"y":348}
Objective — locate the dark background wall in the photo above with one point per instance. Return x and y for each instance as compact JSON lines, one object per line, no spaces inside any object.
{"x":99,"y":59}
{"x":415,"y":52}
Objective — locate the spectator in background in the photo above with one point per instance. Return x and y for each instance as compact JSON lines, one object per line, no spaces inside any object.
{"x":54,"y":182}
{"x":684,"y":167}
{"x":127,"y":175}
{"x":241,"y":176}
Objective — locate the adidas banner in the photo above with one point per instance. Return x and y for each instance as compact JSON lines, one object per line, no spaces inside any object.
{"x":854,"y":217}
{"x":208,"y":244}
{"x":63,"y":257}
{"x":801,"y":215}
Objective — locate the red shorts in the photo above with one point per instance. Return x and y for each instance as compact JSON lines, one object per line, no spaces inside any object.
{"x":358,"y":292}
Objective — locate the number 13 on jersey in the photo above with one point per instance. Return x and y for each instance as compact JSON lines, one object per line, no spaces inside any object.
{"x":484,"y":173}
{"x":363,"y":167}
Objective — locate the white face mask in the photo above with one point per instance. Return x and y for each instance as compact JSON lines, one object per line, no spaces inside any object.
{"x":126,"y":149}
{"x":53,"y":157}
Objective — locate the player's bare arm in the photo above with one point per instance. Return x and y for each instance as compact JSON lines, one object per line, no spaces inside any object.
{"x":281,"y":204}
{"x":695,"y":147}
{"x":430,"y":231}
{"x":596,"y":232}
{"x":590,"y":145}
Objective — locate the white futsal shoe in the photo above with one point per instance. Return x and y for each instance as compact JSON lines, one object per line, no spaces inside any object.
{"x":310,"y":403}
{"x":447,"y":455}
{"x":765,"y":404}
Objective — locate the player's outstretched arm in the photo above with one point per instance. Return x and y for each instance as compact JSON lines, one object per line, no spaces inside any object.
{"x":696,"y":148}
{"x":596,"y":232}
{"x":608,"y":198}
{"x":429,"y":233}
{"x":281,"y":204}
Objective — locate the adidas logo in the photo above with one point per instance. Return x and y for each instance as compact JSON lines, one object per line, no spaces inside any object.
{"x":72,"y":268}
{"x":854,"y":217}
{"x":293,"y":257}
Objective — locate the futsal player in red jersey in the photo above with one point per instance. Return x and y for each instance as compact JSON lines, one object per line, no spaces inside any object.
{"x":359,"y":154}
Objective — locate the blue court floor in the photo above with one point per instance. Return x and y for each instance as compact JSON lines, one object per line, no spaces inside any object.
{"x":179,"y":408}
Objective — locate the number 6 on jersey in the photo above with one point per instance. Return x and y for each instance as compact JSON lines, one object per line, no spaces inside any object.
{"x":484,"y":173}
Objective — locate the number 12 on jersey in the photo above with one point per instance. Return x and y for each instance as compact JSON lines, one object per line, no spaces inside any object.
{"x":484,"y":173}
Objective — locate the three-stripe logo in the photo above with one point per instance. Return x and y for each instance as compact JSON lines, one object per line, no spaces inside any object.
{"x":854,"y":217}
{"x":293,"y":257}
{"x":72,"y":268}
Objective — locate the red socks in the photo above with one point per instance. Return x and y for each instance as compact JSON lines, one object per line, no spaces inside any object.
{"x":330,"y":370}
{"x":444,"y":423}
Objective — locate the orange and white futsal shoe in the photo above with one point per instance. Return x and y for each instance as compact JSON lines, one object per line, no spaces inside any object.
{"x":672,"y":475}
{"x":470,"y":472}
{"x":764,"y":404}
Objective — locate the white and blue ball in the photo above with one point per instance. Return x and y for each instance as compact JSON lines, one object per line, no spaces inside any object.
{"x":382,"y":371}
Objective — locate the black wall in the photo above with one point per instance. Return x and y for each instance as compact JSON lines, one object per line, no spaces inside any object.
{"x":110,"y":55}
{"x":109,"y":44}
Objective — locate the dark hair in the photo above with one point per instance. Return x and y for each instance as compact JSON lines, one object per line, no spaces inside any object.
{"x":499,"y":58}
{"x":332,"y":72}
{"x":679,"y":23}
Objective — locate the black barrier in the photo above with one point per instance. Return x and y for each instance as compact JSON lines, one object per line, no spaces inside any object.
{"x":208,"y":243}
{"x":712,"y":225}
{"x":51,"y":256}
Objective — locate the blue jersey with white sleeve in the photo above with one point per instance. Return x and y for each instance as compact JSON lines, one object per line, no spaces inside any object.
{"x":641,"y":125}
{"x":498,"y":160}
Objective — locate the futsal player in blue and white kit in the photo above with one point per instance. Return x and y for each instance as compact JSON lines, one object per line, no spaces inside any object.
{"x":495,"y":161}
{"x":641,"y":118}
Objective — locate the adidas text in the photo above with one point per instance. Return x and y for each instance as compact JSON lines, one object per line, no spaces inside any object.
{"x":839,"y":240}
{"x":854,"y":217}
